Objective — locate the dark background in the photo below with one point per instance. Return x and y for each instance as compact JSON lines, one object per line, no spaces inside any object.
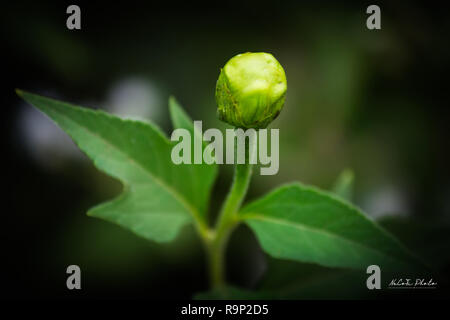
{"x":372,"y":101}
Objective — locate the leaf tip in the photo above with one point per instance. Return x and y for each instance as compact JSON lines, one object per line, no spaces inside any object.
{"x":172,"y":102}
{"x":348,"y":174}
{"x":19,"y":92}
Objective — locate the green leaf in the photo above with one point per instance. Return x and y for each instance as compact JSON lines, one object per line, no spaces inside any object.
{"x":159,"y":197}
{"x":203,"y":175}
{"x":343,"y":187}
{"x":179,"y":117}
{"x":301,"y":223}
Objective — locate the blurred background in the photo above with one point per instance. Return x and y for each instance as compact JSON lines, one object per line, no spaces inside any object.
{"x":373,"y":101}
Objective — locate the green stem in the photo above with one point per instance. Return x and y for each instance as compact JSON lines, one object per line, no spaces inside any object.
{"x":227,"y":220}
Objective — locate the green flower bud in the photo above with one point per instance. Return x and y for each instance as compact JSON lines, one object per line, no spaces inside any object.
{"x":251,"y":90}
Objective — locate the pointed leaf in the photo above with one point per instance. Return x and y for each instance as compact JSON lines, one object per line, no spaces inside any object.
{"x":343,"y":187}
{"x":304,"y":224}
{"x":158,"y":197}
{"x":203,"y":175}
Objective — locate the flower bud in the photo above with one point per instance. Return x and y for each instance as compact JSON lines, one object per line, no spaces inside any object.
{"x":251,"y":90}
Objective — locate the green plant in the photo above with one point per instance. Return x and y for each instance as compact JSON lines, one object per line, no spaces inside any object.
{"x":294,"y":222}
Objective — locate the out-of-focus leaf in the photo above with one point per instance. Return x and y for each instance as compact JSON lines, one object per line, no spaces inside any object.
{"x":333,"y":284}
{"x":286,"y":279}
{"x":233,"y":293}
{"x":343,"y":187}
{"x":159,"y":197}
{"x":428,"y":239}
{"x":304,"y":224}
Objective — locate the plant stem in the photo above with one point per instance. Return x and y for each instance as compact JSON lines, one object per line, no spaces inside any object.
{"x":228,"y":219}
